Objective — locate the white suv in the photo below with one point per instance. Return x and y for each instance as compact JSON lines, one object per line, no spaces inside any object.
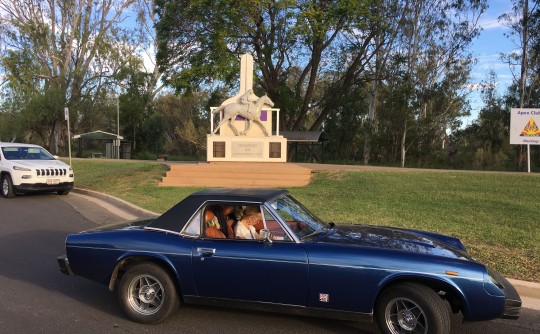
{"x":28,"y":168}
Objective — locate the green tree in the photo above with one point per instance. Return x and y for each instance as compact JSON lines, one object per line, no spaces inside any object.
{"x":294,"y":44}
{"x":69,"y":48}
{"x":434,"y":49}
{"x":187,"y":123}
{"x":345,"y":128}
{"x":485,"y":143}
{"x":312,"y":56}
{"x":136,"y":103}
{"x":10,"y":128}
{"x":524,"y":24}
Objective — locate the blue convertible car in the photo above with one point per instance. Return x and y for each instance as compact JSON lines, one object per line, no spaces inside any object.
{"x":406,"y":280}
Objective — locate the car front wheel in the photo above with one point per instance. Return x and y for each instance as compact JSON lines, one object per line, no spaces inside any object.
{"x":7,"y":187}
{"x":412,"y":308}
{"x":147,"y":294}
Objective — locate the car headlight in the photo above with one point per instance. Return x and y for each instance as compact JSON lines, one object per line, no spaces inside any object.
{"x":495,"y":277}
{"x":22,"y":169}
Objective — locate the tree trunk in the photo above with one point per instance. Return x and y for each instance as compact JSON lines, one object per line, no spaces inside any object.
{"x":403,"y":147}
{"x":523,"y":77}
{"x":371,"y":121}
{"x":51,"y":145}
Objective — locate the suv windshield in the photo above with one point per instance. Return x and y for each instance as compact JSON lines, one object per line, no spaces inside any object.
{"x":301,"y":221}
{"x":26,"y":153}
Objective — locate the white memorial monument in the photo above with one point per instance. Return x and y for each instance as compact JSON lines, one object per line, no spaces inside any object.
{"x":246,"y":130}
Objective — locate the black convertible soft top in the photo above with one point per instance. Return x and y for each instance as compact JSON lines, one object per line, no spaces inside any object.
{"x":176,"y":217}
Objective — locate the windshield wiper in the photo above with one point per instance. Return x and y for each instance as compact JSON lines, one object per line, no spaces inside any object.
{"x":317,"y":232}
{"x":312,"y":234}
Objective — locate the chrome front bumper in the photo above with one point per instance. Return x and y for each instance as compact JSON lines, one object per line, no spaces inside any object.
{"x":512,"y":303}
{"x":63,"y":264}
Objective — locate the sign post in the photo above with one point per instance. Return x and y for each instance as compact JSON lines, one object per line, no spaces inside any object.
{"x":117,"y":127}
{"x":66,"y":116}
{"x":524,"y":129}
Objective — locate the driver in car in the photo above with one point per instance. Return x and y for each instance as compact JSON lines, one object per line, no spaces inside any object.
{"x":245,"y":229}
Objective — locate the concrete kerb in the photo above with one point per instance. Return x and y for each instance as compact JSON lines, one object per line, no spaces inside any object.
{"x":116,"y":205}
{"x":528,"y":291}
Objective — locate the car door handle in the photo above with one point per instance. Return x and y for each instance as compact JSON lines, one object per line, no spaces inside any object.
{"x":205,"y":252}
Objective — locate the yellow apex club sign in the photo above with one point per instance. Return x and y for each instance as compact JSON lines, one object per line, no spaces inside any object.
{"x":524,"y":128}
{"x":531,"y":129}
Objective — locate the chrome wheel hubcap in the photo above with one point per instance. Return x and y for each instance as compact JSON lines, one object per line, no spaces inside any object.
{"x":146,"y":294}
{"x":405,"y":316}
{"x":407,"y":320}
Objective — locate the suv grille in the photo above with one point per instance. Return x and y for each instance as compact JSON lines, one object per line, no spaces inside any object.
{"x":51,"y":172}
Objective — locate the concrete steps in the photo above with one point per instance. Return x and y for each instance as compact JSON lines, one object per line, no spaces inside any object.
{"x":237,"y":175}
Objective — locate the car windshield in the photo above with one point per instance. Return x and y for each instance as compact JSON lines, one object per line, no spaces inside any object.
{"x":302,"y":222}
{"x":26,"y":153}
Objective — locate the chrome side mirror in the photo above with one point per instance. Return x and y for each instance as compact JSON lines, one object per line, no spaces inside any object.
{"x":264,"y":234}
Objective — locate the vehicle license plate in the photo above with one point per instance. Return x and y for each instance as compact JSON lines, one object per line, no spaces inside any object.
{"x":53,"y":181}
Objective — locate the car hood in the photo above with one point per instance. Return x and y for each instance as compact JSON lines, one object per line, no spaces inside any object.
{"x":388,"y":238}
{"x":41,"y":163}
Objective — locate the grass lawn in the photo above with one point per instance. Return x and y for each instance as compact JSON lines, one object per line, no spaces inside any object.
{"x":496,"y":215}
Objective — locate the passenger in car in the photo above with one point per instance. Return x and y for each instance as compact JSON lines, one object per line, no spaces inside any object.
{"x":245,"y":228}
{"x":212,"y":226}
{"x":225,"y":219}
{"x":231,"y":214}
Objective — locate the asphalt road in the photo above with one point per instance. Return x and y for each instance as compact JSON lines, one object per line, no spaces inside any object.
{"x":36,"y":298}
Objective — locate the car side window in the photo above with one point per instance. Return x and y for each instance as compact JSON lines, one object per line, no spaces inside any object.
{"x":234,"y":221}
{"x":277,"y":232}
{"x":193,"y":228}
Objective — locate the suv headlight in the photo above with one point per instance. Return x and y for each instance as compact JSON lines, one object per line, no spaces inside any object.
{"x":22,"y":169}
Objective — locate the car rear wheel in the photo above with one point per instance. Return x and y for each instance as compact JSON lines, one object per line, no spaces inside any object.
{"x":412,"y":308}
{"x":7,"y":187}
{"x":147,"y":294}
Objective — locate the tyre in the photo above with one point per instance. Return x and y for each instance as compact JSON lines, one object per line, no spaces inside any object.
{"x":63,"y":192}
{"x":412,"y":308}
{"x":147,"y":294}
{"x":7,"y":187}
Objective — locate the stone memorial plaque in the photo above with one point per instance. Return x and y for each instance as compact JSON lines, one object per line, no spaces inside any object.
{"x":245,"y":149}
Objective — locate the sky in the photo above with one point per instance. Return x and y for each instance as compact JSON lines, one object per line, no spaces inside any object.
{"x":487,"y":48}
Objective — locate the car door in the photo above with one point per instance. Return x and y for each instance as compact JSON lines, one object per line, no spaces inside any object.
{"x":251,"y":270}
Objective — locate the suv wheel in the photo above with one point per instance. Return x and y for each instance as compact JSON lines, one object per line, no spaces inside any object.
{"x":7,"y":187}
